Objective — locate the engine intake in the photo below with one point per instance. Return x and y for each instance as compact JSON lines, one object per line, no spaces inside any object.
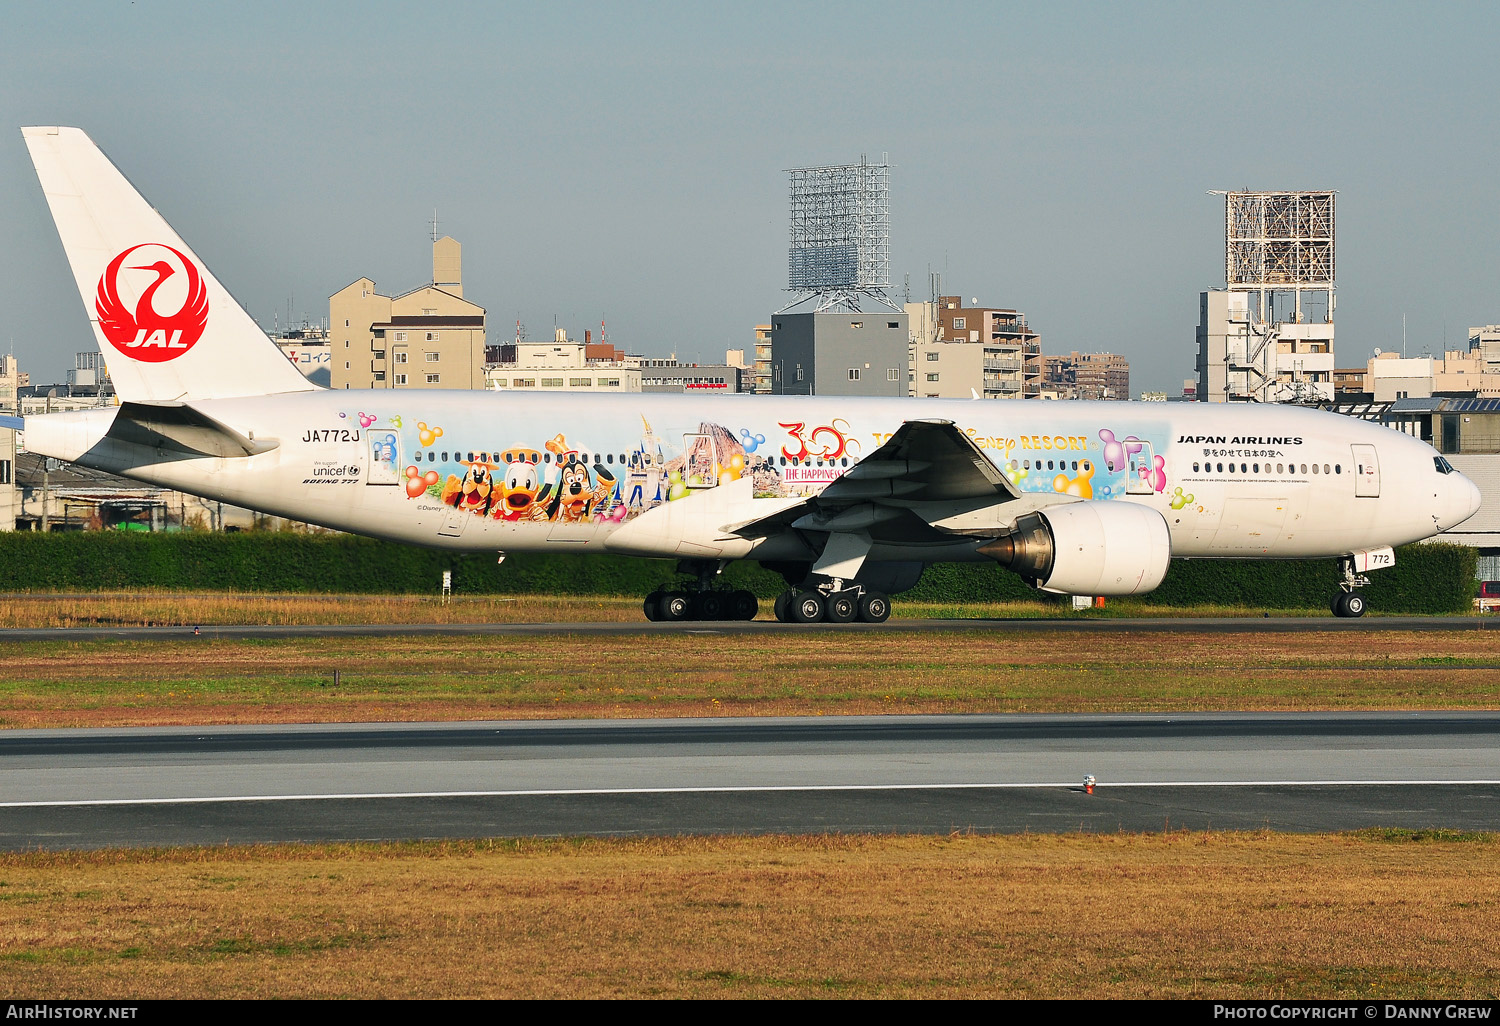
{"x":1088,"y":548}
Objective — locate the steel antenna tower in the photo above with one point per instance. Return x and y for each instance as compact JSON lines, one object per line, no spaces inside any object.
{"x":840,"y":235}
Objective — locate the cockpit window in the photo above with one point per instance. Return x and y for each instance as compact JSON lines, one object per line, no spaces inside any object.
{"x":1443,"y":466}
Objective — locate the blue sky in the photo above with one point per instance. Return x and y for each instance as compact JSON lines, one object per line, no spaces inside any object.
{"x":626,"y":161}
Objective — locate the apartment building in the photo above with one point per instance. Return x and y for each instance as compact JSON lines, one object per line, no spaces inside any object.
{"x":430,"y":337}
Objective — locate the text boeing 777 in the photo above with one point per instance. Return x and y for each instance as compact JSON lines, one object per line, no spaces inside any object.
{"x":847,"y":498}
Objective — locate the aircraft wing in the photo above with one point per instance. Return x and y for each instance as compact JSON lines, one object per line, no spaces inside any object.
{"x":926,"y":473}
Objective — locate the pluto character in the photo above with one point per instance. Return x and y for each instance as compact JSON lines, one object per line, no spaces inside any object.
{"x":475,"y":492}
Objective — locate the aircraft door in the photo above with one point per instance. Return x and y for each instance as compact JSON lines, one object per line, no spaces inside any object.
{"x":702,"y":469}
{"x":1366,"y":471}
{"x":385,"y":457}
{"x":1141,"y":469}
{"x":453,"y":523}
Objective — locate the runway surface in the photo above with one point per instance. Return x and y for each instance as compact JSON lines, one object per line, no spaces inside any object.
{"x":1306,"y":772}
{"x":1134,"y":625}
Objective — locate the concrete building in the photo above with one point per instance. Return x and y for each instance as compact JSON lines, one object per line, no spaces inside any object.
{"x":668,"y":375}
{"x":90,"y":375}
{"x":1390,"y":376}
{"x":1087,"y":376}
{"x":12,"y":380}
{"x":10,"y":498}
{"x":430,"y":337}
{"x":958,"y":351}
{"x":1242,"y":357}
{"x":562,"y":365}
{"x":839,"y":353}
{"x":310,"y":350}
{"x":760,"y":380}
{"x":1267,"y":336}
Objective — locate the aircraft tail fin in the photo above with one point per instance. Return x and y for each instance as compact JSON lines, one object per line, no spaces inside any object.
{"x":168,"y":330}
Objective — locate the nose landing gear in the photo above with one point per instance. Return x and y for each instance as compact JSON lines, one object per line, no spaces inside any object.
{"x":1348,"y":602}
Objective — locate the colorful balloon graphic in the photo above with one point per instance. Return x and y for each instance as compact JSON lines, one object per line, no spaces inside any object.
{"x":427,"y":435}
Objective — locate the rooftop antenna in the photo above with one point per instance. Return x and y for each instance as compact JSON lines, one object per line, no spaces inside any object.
{"x":434,"y":222}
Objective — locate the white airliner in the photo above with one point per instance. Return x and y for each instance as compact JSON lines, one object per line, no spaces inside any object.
{"x":847,"y":498}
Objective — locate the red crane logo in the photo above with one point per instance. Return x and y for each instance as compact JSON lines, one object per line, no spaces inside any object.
{"x":147,"y":334}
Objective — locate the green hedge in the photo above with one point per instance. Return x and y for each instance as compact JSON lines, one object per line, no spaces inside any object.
{"x":1425,"y":579}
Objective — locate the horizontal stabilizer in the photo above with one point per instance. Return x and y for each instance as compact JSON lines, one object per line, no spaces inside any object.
{"x":180,"y":428}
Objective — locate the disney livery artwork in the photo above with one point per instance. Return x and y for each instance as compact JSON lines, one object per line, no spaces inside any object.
{"x":848,"y":499}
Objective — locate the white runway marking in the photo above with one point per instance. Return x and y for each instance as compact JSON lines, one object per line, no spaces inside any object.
{"x":603,"y":791}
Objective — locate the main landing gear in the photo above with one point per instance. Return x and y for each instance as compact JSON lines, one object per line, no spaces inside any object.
{"x":1348,"y":602}
{"x":702,"y":603}
{"x":833,"y":605}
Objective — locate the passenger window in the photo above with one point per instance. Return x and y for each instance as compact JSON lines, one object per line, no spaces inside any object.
{"x":1279,"y":469}
{"x":1075,"y":464}
{"x":445,"y":457}
{"x":417,"y":456}
{"x":1195,"y":468}
{"x":1337,"y":469}
{"x":1221,"y":468}
{"x":1256,"y":467}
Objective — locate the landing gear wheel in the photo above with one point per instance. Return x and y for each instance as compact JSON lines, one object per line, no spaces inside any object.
{"x":841,"y":607}
{"x":783,"y":605}
{"x":743,"y":606}
{"x":708,"y":605}
{"x":675,"y":606}
{"x":874,"y":607}
{"x":807,"y":607}
{"x":1348,"y":604}
{"x":652,"y":606}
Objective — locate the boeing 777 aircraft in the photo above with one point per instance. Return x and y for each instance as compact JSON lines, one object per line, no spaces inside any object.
{"x":847,"y":498}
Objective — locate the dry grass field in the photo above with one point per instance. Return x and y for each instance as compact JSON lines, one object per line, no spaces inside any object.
{"x":203,"y":680}
{"x":1177,"y":915}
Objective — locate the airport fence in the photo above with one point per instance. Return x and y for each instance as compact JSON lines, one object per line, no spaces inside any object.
{"x":1426,"y":578}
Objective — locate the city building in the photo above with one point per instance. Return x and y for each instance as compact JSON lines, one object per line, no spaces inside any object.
{"x":561,"y":365}
{"x":310,"y":350}
{"x":668,"y":375}
{"x":1087,"y":376}
{"x":957,"y":351}
{"x":839,"y":353}
{"x":10,"y":498}
{"x":430,"y":337}
{"x":761,"y":377}
{"x":90,"y":375}
{"x":1349,"y":381}
{"x":12,"y":380}
{"x":1267,"y":336}
{"x":1390,"y":376}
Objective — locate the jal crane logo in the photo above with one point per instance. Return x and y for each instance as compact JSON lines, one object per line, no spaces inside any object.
{"x":146,"y":333}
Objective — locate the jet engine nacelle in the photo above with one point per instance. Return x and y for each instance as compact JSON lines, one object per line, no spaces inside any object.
{"x":1088,"y":548}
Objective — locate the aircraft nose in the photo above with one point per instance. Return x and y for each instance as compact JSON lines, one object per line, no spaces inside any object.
{"x":1463,"y":501}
